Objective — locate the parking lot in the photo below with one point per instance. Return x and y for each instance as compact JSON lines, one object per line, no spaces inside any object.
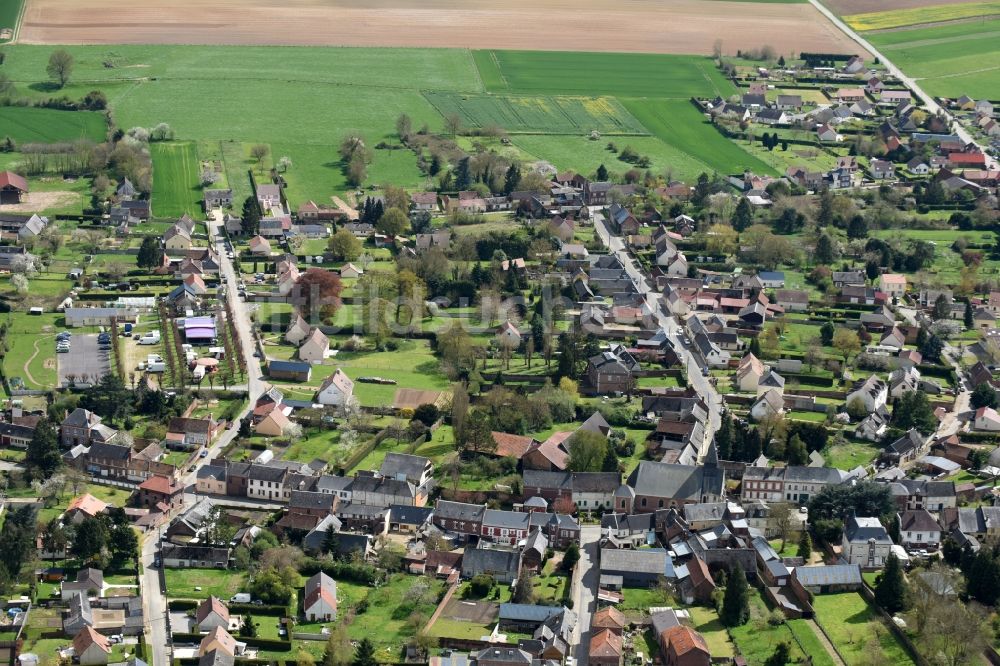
{"x":85,"y":362}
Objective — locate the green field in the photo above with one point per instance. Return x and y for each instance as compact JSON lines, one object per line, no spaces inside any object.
{"x":948,"y":60}
{"x":176,"y":179}
{"x":626,"y":74}
{"x":32,"y":125}
{"x":679,"y":124}
{"x":10,"y":11}
{"x":899,"y":18}
{"x":548,"y":114}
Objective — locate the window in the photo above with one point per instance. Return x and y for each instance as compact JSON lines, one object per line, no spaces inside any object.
{"x":643,"y":502}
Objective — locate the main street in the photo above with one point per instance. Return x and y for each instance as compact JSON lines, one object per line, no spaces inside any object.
{"x":153,"y":594}
{"x":585,"y":580}
{"x":692,"y":365}
{"x":909,"y":82}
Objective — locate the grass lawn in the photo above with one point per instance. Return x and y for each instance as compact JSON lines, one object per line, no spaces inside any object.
{"x":176,"y":179}
{"x":850,"y":455}
{"x":757,"y":638}
{"x":706,"y":622}
{"x":552,"y":586}
{"x":641,"y":599}
{"x":219,"y":582}
{"x":314,"y":444}
{"x":850,"y":623}
{"x":810,"y":643}
{"x":27,"y":124}
{"x":10,"y":12}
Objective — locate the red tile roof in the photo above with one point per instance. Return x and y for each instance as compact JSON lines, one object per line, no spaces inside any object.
{"x":11,"y":179}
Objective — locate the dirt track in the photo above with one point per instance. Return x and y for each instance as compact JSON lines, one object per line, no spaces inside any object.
{"x":655,"y":26}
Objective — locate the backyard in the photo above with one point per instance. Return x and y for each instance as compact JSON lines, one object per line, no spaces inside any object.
{"x":853,"y":626}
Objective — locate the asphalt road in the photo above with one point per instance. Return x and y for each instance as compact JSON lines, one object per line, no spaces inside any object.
{"x":692,"y":364}
{"x":84,"y":359}
{"x":586,"y":579}
{"x":153,"y":597}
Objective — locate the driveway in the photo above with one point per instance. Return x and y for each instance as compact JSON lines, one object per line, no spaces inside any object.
{"x":85,"y":362}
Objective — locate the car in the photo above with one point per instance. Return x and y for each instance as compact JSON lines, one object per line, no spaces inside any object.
{"x":685,"y":340}
{"x":258,"y":602}
{"x":803,"y":509}
{"x":62,"y":350}
{"x":204,"y":453}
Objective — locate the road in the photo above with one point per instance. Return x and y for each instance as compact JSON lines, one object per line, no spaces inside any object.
{"x":693,"y":366}
{"x":910,"y":83}
{"x":585,"y":580}
{"x":153,"y":596}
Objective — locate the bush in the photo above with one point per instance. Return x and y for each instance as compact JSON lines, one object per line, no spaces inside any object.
{"x":480,"y":585}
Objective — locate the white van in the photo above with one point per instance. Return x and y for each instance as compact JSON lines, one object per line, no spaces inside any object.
{"x":151,"y":338}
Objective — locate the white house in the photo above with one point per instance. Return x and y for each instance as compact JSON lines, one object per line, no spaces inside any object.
{"x":91,"y":647}
{"x":351,"y":271}
{"x":297,"y":330}
{"x":319,"y":603}
{"x":918,"y":529}
{"x":873,"y":394}
{"x":749,"y":373}
{"x":508,"y":336}
{"x":865,"y":543}
{"x":768,"y":404}
{"x":771,"y":381}
{"x":678,"y":266}
{"x":336,"y":390}
{"x":892,"y":284}
{"x":212,"y":613}
{"x":314,"y":349}
{"x":987,"y":419}
{"x":873,"y":426}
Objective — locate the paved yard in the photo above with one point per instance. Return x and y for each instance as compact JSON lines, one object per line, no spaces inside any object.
{"x":84,"y":360}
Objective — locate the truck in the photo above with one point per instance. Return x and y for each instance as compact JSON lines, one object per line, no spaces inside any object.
{"x":240,"y":598}
{"x":128,"y":329}
{"x":151,"y":338}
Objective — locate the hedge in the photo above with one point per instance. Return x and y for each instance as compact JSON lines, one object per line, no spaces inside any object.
{"x":254,"y":609}
{"x":182,"y":604}
{"x":263,"y":643}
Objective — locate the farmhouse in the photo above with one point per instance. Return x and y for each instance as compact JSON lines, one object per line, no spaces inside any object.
{"x":12,"y":187}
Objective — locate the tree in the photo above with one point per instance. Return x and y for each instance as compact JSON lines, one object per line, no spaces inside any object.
{"x":736,"y":602}
{"x":967,"y":317}
{"x":364,"y":655}
{"x":942,"y":308}
{"x":587,"y":451}
{"x":317,"y":293}
{"x":123,"y":543}
{"x":857,"y":227}
{"x":344,"y":246}
{"x":357,"y":171}
{"x":248,"y":628}
{"x":805,"y":545}
{"x":43,"y":457}
{"x":54,"y":538}
{"x":150,"y":254}
{"x":780,"y":656}
{"x":258,"y":152}
{"x":846,"y":342}
{"x":478,"y":432}
{"x":743,"y":217}
{"x":781,"y":519}
{"x":524,"y":589}
{"x":393,"y":222}
{"x":826,"y":251}
{"x":890,"y":591}
{"x":866,"y":499}
{"x":338,"y":646}
{"x":481,"y":585}
{"x":250,"y":222}
{"x":931,"y":348}
{"x":427,"y":413}
{"x":983,"y":578}
{"x":796,"y":451}
{"x":983,"y":396}
{"x":826,"y":333}
{"x":571,"y":557}
{"x":60,"y":67}
{"x":271,"y":588}
{"x":89,"y":539}
{"x":602,"y":173}
{"x":913,"y":410}
{"x":404,"y":127}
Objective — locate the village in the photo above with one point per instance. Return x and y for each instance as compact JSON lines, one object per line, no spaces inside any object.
{"x":533,"y":417}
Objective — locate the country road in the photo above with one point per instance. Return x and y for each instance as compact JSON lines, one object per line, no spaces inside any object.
{"x":909,"y":82}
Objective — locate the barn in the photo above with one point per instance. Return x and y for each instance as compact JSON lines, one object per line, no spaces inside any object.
{"x":12,"y":187}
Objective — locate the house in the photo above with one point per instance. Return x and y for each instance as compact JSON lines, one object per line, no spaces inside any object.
{"x":872,"y":393}
{"x":459,"y":517}
{"x":918,"y":166}
{"x":215,"y":658}
{"x":418,"y":470}
{"x":683,"y":646}
{"x":605,"y":648}
{"x":609,"y":618}
{"x":190,"y":433}
{"x":159,"y":489}
{"x":502,"y":565}
{"x":919,"y":530}
{"x":772,"y":279}
{"x":297,"y":330}
{"x":319,"y":603}
{"x":295,"y":371}
{"x":502,"y":655}
{"x":865,"y":542}
{"x":873,"y":426}
{"x":221,"y":640}
{"x":336,"y":390}
{"x":260,"y":246}
{"x":76,"y":317}
{"x":177,"y":238}
{"x":349,"y":270}
{"x":698,"y":587}
{"x":894,"y":97}
{"x":749,"y":373}
{"x":427,"y":201}
{"x":89,"y":583}
{"x":987,"y":419}
{"x":845,"y":278}
{"x":211,"y":480}
{"x":91,"y":647}
{"x":826,"y":133}
{"x":789,"y":102}
{"x":657,"y":485}
{"x":508,"y":337}
{"x":84,"y":506}
{"x":268,"y":196}
{"x":882,"y":169}
{"x":315,"y":347}
{"x":792,"y":300}
{"x":769,"y":403}
{"x":218,"y":198}
{"x":211,"y":613}
{"x":607,"y":373}
{"x":854,"y":65}
{"x":772,"y":116}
